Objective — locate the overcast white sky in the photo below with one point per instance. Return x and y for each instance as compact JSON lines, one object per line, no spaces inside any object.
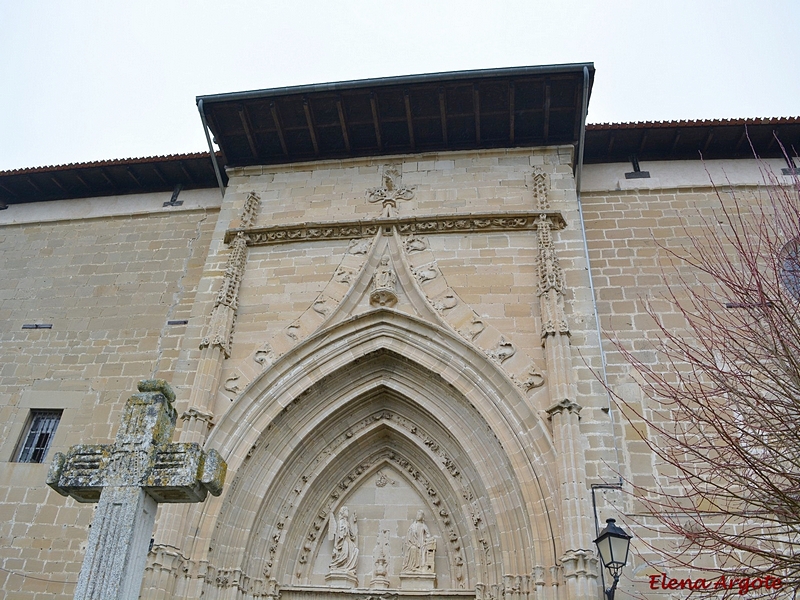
{"x":92,"y":80}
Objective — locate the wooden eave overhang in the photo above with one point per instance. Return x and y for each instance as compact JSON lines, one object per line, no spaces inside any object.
{"x":692,"y":140}
{"x":108,"y":178}
{"x":464,"y":110}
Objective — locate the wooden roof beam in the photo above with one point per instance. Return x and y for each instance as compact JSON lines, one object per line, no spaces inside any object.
{"x":34,"y":186}
{"x":642,"y":142}
{"x":83,"y":183}
{"x":311,"y":129}
{"x":476,"y":107}
{"x":773,"y":138}
{"x":546,"y":108}
{"x":675,"y":141}
{"x":160,"y":175}
{"x":276,"y":119}
{"x":373,"y":101}
{"x":107,"y":178}
{"x":443,"y":113}
{"x":133,"y":176}
{"x":343,"y":124}
{"x":9,"y":191}
{"x":709,"y":137}
{"x":410,"y":124}
{"x":511,"y":115}
{"x":742,"y":138}
{"x":186,"y":172}
{"x":58,"y":184}
{"x":244,"y":117}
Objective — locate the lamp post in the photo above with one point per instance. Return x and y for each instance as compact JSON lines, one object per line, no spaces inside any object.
{"x":613,"y":544}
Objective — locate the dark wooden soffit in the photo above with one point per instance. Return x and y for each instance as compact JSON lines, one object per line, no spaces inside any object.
{"x":674,"y":140}
{"x":108,"y":178}
{"x":464,"y":110}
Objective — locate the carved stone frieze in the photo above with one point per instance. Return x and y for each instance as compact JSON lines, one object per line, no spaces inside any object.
{"x":407,"y":226}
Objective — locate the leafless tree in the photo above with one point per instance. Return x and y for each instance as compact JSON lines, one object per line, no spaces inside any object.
{"x":726,"y":409}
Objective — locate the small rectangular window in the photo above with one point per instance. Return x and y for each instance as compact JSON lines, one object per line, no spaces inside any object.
{"x":38,"y":435}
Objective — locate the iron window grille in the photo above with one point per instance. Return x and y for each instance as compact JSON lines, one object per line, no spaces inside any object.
{"x":38,"y":435}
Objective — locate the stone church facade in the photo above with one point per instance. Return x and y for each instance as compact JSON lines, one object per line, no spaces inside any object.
{"x":394,"y":348}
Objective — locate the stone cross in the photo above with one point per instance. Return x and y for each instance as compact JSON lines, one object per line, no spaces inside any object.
{"x":129,"y":478}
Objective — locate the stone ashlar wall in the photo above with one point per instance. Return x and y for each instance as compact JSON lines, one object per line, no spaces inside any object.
{"x":632,"y":228}
{"x":108,"y":285}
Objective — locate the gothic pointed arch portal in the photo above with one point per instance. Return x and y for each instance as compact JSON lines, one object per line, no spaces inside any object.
{"x":388,"y":415}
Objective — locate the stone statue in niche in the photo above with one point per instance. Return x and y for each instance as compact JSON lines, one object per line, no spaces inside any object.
{"x":419,"y":549}
{"x":384,"y":285}
{"x":343,"y":532}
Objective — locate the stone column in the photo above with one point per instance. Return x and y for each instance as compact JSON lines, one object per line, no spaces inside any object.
{"x":578,"y":563}
{"x":215,"y":347}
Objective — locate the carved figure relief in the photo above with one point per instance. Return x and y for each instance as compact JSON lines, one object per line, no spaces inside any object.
{"x":390,"y":192}
{"x":446,"y":303}
{"x":383,"y":480}
{"x":231,"y":386}
{"x":413,"y":244}
{"x":474,"y":329}
{"x":534,"y":379}
{"x":502,"y":352}
{"x":419,"y":549}
{"x":426,"y":272}
{"x":320,"y":306}
{"x":343,"y":531}
{"x":292,"y":330}
{"x":380,"y":568}
{"x":384,"y":284}
{"x":264,"y":355}
{"x":343,"y":275}
{"x":359,"y":246}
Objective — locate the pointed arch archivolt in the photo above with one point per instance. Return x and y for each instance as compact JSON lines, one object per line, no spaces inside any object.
{"x":382,"y":388}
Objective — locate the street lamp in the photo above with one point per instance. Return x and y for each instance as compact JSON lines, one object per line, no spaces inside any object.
{"x":613,"y":544}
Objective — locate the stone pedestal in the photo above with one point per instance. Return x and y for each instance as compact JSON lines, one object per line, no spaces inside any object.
{"x":379,"y":583}
{"x":341,"y":579}
{"x":417,"y":581}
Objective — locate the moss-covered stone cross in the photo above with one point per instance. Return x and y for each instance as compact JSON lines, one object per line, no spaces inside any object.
{"x":129,"y":478}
